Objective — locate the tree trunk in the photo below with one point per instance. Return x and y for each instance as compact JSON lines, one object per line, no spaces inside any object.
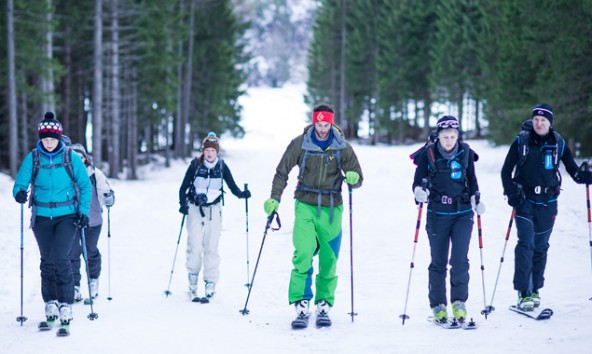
{"x":427,"y":113}
{"x":342,"y":106}
{"x":12,"y":121}
{"x":24,"y":125}
{"x":132,"y":128}
{"x":67,"y":116}
{"x":115,"y":159}
{"x":477,"y":123}
{"x":48,"y":103}
{"x":180,"y":147}
{"x":189,"y":67}
{"x":97,"y":99}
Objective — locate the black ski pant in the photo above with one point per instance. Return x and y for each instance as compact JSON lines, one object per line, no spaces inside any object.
{"x":91,"y":236}
{"x":54,"y":237}
{"x":534,"y":224}
{"x":445,"y":231}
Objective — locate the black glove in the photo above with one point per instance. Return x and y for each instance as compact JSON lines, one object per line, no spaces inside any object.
{"x":583,"y":176}
{"x":21,"y":197}
{"x":516,"y":197}
{"x":245,"y":194}
{"x":82,"y":220}
{"x":184,"y":209}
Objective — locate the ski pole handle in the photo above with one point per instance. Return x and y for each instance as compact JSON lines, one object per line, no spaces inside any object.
{"x":424,"y":183}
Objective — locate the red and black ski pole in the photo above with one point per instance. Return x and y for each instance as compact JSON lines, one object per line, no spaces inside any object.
{"x":585,"y":167}
{"x":404,"y":316}
{"x":490,"y":308}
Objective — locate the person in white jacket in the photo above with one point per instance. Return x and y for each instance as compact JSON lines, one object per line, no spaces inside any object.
{"x":102,"y":195}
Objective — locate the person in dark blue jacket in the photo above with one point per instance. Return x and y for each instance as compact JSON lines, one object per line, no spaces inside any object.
{"x":448,"y":166}
{"x":532,"y":182}
{"x":58,"y":209}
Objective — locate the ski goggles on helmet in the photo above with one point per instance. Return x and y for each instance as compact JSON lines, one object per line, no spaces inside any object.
{"x":448,"y":124}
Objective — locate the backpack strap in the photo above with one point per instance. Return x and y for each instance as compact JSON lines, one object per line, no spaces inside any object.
{"x":523,"y":139}
{"x":221,"y":166}
{"x":431,"y":155}
{"x":67,"y":165}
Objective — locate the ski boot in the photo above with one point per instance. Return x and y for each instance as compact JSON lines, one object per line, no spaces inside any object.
{"x":459,"y":311}
{"x":323,"y":308}
{"x":525,"y":302}
{"x":302,"y":314}
{"x":440,"y":313}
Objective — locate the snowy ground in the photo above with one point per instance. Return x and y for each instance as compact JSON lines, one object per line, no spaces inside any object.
{"x":145,"y":228}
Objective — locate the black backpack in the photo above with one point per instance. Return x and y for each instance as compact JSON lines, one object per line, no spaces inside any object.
{"x":524,"y":137}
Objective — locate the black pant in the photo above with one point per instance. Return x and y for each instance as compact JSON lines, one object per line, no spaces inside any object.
{"x":444,"y":231}
{"x":91,"y":236}
{"x":534,"y":224}
{"x":54,"y":238}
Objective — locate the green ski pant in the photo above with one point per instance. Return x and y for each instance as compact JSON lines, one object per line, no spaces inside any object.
{"x":315,"y":235}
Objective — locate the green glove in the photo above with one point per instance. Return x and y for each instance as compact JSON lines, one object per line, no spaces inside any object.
{"x":352,"y":177}
{"x":270,"y":206}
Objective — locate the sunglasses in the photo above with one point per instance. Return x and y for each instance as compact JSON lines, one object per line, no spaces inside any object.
{"x":448,"y":124}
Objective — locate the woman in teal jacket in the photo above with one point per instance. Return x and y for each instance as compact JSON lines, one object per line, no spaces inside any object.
{"x":60,"y":202}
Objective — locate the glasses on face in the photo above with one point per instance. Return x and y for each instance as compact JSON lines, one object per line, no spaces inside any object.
{"x":448,"y":124}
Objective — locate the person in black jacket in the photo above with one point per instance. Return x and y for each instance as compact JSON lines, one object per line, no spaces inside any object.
{"x":532,"y":182}
{"x":448,"y":166}
{"x":199,"y":197}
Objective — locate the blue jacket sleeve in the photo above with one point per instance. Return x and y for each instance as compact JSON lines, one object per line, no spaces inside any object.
{"x":23,"y":177}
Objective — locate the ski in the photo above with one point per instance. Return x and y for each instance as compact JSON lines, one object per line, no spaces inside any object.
{"x":89,"y":301}
{"x":468,"y":325}
{"x":300,"y":322}
{"x":453,"y":323}
{"x":323,"y":320}
{"x":45,"y":325}
{"x":543,"y":314}
{"x":64,"y":330}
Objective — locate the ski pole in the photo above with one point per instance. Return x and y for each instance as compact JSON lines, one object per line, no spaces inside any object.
{"x":485,"y":311}
{"x":247,"y":232}
{"x":270,"y":218}
{"x":351,"y":251}
{"x":585,"y":167}
{"x":109,"y":253}
{"x":22,"y":318}
{"x":404,"y":316}
{"x":490,"y":308}
{"x":92,"y":315}
{"x":167,"y":292}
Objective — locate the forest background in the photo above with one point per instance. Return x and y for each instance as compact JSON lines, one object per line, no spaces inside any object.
{"x":130,"y":79}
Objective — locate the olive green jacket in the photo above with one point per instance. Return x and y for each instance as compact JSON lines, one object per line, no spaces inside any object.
{"x":320,"y":171}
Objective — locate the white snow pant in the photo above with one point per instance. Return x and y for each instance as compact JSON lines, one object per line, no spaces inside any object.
{"x":203,"y":238}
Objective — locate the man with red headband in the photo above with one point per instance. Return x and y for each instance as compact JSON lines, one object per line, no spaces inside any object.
{"x":323,"y":156}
